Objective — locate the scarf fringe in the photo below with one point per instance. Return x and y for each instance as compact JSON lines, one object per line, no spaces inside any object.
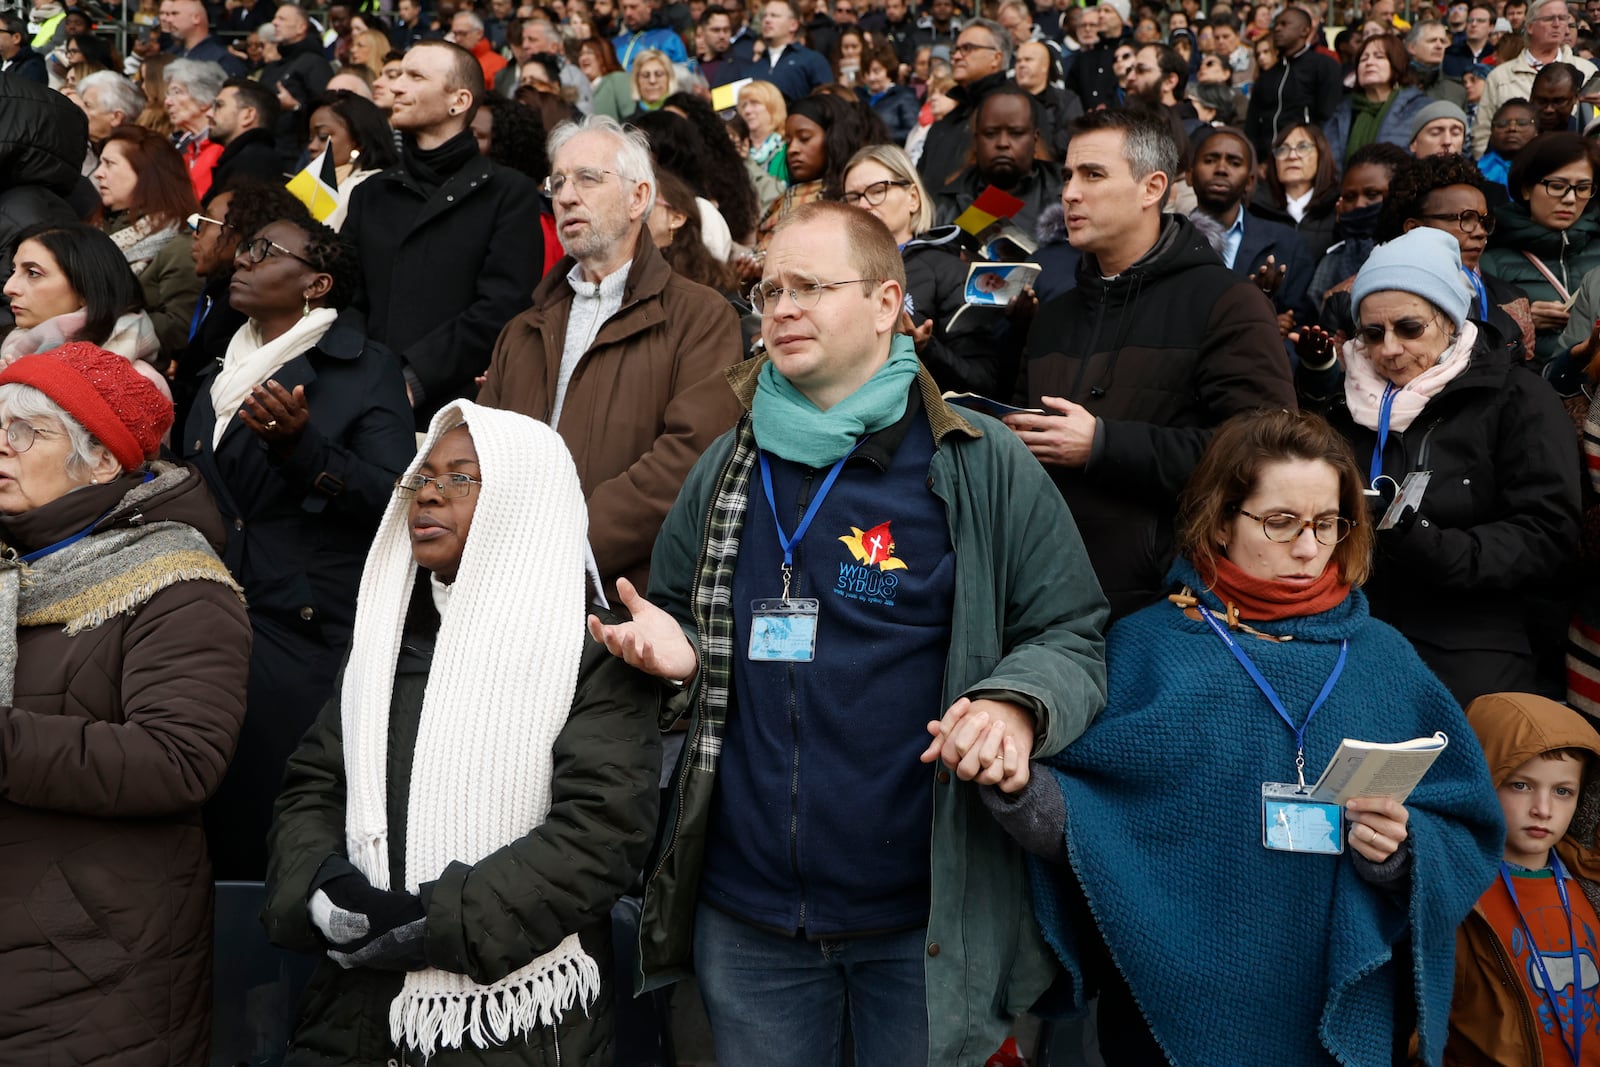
{"x":538,"y":995}
{"x":97,"y":606}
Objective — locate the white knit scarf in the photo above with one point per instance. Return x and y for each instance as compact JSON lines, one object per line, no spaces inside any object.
{"x":251,"y":361}
{"x":1364,"y":384}
{"x":505,"y":669}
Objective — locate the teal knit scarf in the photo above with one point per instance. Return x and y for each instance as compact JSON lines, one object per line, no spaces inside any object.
{"x":791,"y":427}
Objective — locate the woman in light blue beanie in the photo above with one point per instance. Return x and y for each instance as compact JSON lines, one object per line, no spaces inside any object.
{"x":1430,"y":399}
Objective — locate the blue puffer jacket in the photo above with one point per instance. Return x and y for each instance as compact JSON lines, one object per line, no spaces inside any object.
{"x":1395,"y":128}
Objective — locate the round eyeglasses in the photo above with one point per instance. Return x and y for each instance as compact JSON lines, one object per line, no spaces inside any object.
{"x":20,"y":435}
{"x":875,"y":193}
{"x":258,"y":250}
{"x":450,"y":486}
{"x":1467,"y":220}
{"x":1284,"y":528}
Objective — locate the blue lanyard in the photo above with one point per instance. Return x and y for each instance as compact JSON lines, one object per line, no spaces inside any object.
{"x":40,"y":553}
{"x":787,"y":541}
{"x":1385,"y":409}
{"x":1272,"y":695}
{"x":1483,"y":294}
{"x":201,"y":310}
{"x":1575,"y":1046}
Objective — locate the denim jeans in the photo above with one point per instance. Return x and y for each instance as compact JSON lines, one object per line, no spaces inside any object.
{"x":781,"y":1001}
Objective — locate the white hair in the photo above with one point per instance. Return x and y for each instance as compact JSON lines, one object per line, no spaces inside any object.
{"x":33,"y":405}
{"x":201,"y":79}
{"x":113,"y":93}
{"x":633,"y":150}
{"x":472,"y":20}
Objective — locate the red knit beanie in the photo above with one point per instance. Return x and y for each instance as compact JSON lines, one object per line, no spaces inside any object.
{"x":103,"y":392}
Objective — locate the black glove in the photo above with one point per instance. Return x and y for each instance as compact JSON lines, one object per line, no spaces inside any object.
{"x":365,"y":926}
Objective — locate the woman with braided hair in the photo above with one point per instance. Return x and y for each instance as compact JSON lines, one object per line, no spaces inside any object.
{"x":299,"y":431}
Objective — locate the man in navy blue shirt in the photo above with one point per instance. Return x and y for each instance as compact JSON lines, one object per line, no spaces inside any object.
{"x":786,"y":63}
{"x":186,"y":22}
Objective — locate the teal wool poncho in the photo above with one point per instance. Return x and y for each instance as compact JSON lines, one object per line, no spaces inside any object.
{"x":1235,"y":953}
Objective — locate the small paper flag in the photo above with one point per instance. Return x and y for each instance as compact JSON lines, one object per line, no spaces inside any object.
{"x":317,"y":187}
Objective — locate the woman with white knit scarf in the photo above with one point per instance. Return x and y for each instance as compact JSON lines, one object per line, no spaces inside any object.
{"x":1472,"y":464}
{"x":454,"y":830}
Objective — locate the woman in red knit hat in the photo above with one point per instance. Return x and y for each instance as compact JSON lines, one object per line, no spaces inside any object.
{"x":123,"y":655}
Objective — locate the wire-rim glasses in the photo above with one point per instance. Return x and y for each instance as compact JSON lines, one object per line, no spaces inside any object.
{"x":450,"y":486}
{"x":1284,"y":528}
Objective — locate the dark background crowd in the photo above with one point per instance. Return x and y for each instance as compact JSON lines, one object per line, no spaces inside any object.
{"x":314,"y":228}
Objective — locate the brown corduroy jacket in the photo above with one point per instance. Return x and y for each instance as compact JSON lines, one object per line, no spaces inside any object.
{"x":644,"y":402}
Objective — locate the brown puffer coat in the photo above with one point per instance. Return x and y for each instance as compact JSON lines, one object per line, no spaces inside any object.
{"x":114,"y":739}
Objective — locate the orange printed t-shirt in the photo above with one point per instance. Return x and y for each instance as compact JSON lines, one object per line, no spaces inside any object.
{"x":1541,"y":906}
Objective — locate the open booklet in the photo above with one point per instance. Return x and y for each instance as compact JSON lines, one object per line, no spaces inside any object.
{"x":1373,"y":769}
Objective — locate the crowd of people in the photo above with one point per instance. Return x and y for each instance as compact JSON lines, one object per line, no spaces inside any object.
{"x":471,"y":461}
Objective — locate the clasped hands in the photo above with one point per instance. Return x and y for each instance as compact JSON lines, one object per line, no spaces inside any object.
{"x":986,"y":741}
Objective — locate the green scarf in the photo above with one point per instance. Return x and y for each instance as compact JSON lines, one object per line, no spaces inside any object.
{"x":1366,"y":119}
{"x":791,"y":427}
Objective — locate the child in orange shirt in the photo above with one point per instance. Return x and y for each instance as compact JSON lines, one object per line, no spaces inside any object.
{"x":1528,"y":956}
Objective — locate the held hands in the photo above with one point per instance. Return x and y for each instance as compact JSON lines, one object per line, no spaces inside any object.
{"x":652,"y":642}
{"x":276,"y":415}
{"x":1063,"y":439}
{"x":984,"y":741}
{"x":1377,"y":826}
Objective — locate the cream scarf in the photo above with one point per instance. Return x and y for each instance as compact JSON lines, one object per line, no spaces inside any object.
{"x":505,"y":669}
{"x":251,"y":361}
{"x":140,"y":242}
{"x":1364,"y":386}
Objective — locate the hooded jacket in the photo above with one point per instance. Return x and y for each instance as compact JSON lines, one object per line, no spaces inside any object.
{"x":1158,"y":384}
{"x":1491,"y":1019}
{"x":42,"y":138}
{"x":1568,"y":254}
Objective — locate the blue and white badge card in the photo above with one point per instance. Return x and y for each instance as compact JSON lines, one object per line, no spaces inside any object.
{"x":1292,"y":821}
{"x":784,"y":631}
{"x":997,"y":284}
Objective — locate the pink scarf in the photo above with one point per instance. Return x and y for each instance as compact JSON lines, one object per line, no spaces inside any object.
{"x":1364,"y":385}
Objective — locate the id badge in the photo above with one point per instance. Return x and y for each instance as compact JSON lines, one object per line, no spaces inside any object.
{"x":1291,"y":821}
{"x":1409,"y":496}
{"x":784,"y":631}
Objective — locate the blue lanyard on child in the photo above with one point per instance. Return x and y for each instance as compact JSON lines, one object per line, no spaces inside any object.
{"x":1385,"y":409}
{"x":1483,"y":294}
{"x":1575,"y":1046}
{"x":1272,"y":694}
{"x":786,"y":541}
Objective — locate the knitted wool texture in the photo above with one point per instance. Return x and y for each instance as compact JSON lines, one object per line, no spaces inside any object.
{"x":504,"y":674}
{"x":103,"y":392}
{"x":1294,"y":953}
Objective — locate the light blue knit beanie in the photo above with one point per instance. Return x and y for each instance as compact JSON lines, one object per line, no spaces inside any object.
{"x":1424,"y":262}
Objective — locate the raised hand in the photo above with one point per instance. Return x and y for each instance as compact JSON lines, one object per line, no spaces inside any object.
{"x":652,"y":641}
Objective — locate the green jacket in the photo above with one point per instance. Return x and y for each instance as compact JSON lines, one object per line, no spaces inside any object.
{"x":490,"y":918}
{"x":1028,"y":626}
{"x":1568,"y":254}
